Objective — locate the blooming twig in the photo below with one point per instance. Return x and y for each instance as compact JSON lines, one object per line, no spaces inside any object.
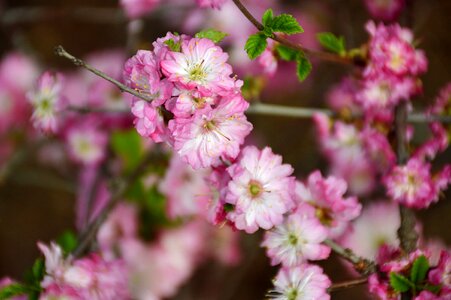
{"x":319,"y":54}
{"x":408,"y":237}
{"x":348,"y":284}
{"x":362,"y":265}
{"x":59,"y":50}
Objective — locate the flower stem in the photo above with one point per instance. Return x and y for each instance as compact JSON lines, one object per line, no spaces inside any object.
{"x":362,"y":265}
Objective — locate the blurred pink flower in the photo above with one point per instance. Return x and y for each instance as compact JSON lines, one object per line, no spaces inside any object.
{"x":47,"y":102}
{"x":385,"y":10}
{"x":138,"y":8}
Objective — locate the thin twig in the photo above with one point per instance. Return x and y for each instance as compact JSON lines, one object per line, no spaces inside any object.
{"x":88,"y":110}
{"x":347,"y":284}
{"x":89,"y":234}
{"x":319,"y":54}
{"x":362,"y":265}
{"x":59,"y":50}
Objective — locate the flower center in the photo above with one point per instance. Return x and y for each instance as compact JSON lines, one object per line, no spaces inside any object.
{"x":292,"y":294}
{"x":210,"y":125}
{"x":292,"y":239}
{"x":45,"y":105}
{"x":324,"y":216}
{"x":197,"y":73}
{"x":255,"y":188}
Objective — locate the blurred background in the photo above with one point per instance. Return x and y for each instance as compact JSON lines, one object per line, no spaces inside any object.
{"x":37,"y":202}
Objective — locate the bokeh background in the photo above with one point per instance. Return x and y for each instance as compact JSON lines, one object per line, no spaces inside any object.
{"x":37,"y":203}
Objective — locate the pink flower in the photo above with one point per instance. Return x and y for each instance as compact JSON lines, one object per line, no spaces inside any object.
{"x":149,"y":121}
{"x":376,"y":226}
{"x":47,"y":102}
{"x":413,"y":185}
{"x":138,"y":8}
{"x":211,"y":3}
{"x":441,"y":274}
{"x":296,"y":240}
{"x":261,"y":189}
{"x":86,"y":142}
{"x":188,"y":102}
{"x":185,"y":189}
{"x":211,"y":134}
{"x":304,"y":282}
{"x":86,"y":278}
{"x":378,"y":149}
{"x":200,"y":64}
{"x":342,"y":97}
{"x":385,"y":10}
{"x":392,"y":51}
{"x":323,"y":198}
{"x":142,"y":73}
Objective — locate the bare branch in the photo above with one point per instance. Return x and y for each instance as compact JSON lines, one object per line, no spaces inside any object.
{"x":59,"y":50}
{"x":347,"y":284}
{"x":362,"y":265}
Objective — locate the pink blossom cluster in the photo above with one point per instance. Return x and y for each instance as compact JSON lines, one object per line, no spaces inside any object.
{"x":391,"y":261}
{"x":91,"y":277}
{"x":211,"y":3}
{"x":157,"y":269}
{"x":191,"y":85}
{"x":390,"y":77}
{"x":357,"y":155}
{"x":414,"y":184}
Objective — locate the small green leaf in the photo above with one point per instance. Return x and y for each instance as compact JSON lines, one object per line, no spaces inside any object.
{"x":67,"y":241}
{"x":432,"y":288}
{"x":38,"y":270}
{"x":303,"y":67}
{"x":211,"y":34}
{"x":419,"y":269}
{"x":128,"y":146}
{"x":286,"y":53}
{"x":331,"y":42}
{"x":400,"y":283}
{"x":255,"y":45}
{"x":268,"y":16}
{"x":12,"y":290}
{"x":286,"y":24}
{"x":267,"y":31}
{"x":174,"y":46}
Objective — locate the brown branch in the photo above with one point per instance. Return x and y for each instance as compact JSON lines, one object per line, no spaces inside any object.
{"x":347,"y":284}
{"x":319,"y":54}
{"x":362,"y":265}
{"x":407,"y":234}
{"x":59,"y":50}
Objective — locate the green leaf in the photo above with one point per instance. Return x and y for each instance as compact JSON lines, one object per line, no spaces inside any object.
{"x":255,"y":45}
{"x":303,"y":67}
{"x":38,"y":270}
{"x":419,"y":269}
{"x":12,"y":290}
{"x":400,"y":283}
{"x":67,"y":241}
{"x":286,"y":24}
{"x":174,"y":46}
{"x":331,"y":42}
{"x":268,"y":16}
{"x":432,"y":288}
{"x":128,"y":146}
{"x":211,"y":34}
{"x":286,"y":53}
